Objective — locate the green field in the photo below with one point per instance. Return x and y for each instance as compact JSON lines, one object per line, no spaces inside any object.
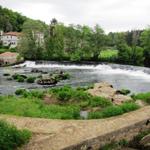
{"x":108,"y":55}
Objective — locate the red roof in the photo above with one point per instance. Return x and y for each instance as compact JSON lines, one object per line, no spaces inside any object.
{"x":13,"y":33}
{"x":8,"y":54}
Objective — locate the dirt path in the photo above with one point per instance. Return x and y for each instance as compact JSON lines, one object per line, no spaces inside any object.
{"x":59,"y":134}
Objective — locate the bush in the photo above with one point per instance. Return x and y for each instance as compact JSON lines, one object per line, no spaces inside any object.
{"x":15,"y":76}
{"x":11,"y":137}
{"x":20,"y":79}
{"x":20,"y":91}
{"x":124,"y":91}
{"x":30,"y":79}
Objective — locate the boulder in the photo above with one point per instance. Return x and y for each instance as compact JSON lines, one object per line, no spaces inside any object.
{"x":119,"y":99}
{"x":145,"y":141}
{"x":103,"y":89}
{"x":106,"y":90}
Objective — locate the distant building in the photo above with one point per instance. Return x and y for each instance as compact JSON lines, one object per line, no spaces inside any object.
{"x":9,"y":58}
{"x":10,"y":39}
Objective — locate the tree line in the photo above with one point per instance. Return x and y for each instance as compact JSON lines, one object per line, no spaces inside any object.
{"x":75,"y":42}
{"x":83,"y":43}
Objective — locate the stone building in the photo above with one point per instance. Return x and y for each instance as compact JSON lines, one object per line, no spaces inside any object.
{"x":9,"y":58}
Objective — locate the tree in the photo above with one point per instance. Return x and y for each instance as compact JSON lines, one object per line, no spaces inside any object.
{"x":97,"y":41}
{"x":30,"y":46}
{"x":145,"y":42}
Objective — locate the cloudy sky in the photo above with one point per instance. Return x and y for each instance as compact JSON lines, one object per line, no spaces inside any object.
{"x":112,"y":15}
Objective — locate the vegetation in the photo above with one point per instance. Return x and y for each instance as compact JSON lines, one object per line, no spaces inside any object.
{"x":30,"y":79}
{"x":143,"y":96}
{"x":124,"y":91}
{"x":114,"y":110}
{"x":11,"y":138}
{"x":109,"y":55}
{"x":65,"y":103}
{"x":75,"y":42}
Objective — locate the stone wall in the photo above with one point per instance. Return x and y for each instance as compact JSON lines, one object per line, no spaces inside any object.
{"x":51,"y":134}
{"x":126,"y":133}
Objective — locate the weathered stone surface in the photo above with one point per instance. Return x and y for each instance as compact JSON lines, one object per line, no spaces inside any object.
{"x":78,"y":134}
{"x":103,"y":90}
{"x":107,"y":91}
{"x":145,"y":141}
{"x":119,"y":99}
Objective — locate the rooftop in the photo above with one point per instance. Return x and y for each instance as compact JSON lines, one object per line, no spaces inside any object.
{"x":13,"y":33}
{"x":8,"y":54}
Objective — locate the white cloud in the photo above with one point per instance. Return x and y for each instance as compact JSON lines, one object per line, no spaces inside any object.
{"x":112,"y":15}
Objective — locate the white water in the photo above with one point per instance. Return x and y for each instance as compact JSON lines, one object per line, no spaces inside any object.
{"x":99,"y":69}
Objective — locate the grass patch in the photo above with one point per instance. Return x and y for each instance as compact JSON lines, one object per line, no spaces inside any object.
{"x":108,"y":55}
{"x":143,"y":96}
{"x":11,"y":138}
{"x":34,"y":107}
{"x":113,"y":111}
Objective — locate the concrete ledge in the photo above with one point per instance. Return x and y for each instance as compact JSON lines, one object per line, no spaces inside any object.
{"x":79,"y":134}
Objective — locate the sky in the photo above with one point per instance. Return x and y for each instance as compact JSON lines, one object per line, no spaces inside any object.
{"x":111,"y":15}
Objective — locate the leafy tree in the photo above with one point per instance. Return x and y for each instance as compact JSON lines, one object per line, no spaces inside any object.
{"x":30,"y":45}
{"x":97,"y":41}
{"x":145,"y":42}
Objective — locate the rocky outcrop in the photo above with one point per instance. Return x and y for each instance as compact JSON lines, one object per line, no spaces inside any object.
{"x":106,"y":90}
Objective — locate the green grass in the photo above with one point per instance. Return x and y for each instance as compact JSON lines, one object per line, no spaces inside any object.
{"x":113,"y":111}
{"x":34,"y":107}
{"x":11,"y":138}
{"x":69,"y":103}
{"x":143,"y":96}
{"x":108,"y":55}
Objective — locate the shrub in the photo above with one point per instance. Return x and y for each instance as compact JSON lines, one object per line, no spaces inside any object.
{"x":124,"y":91}
{"x":30,"y":79}
{"x":11,"y":137}
{"x":20,"y":91}
{"x":64,"y":96}
{"x":15,"y":76}
{"x":20,"y":79}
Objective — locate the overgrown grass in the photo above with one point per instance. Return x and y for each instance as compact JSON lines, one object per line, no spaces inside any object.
{"x":113,"y":110}
{"x":143,"y":96}
{"x":69,"y":103}
{"x":11,"y":138}
{"x":34,"y":107}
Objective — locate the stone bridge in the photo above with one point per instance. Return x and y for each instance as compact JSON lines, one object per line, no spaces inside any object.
{"x":81,"y":134}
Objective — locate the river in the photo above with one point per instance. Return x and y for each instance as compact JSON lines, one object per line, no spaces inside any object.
{"x":136,"y":79}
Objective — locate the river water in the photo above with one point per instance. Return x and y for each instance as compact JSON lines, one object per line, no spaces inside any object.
{"x":136,"y":79}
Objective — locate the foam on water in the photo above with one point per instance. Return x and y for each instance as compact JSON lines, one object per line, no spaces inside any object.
{"x":100,"y":69}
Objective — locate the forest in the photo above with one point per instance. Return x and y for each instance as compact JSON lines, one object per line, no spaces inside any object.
{"x":76,"y":42}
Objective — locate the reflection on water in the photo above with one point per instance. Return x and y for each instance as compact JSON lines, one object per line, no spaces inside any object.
{"x":137,"y":79}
